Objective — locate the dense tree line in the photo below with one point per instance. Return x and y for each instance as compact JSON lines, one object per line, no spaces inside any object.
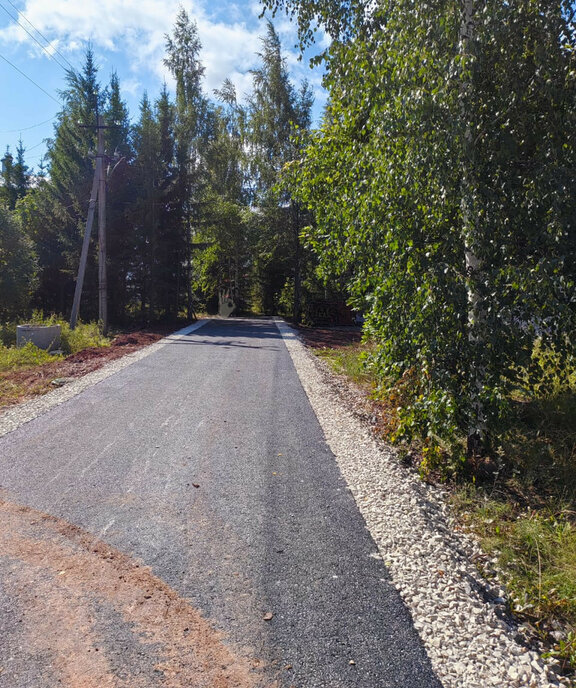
{"x":195,"y":212}
{"x":443,"y":181}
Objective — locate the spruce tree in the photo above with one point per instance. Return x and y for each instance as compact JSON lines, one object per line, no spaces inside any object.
{"x":17,"y":267}
{"x":277,"y":115}
{"x":63,"y":199}
{"x":21,"y":172}
{"x":182,"y":58}
{"x":8,"y":192}
{"x":120,"y":194}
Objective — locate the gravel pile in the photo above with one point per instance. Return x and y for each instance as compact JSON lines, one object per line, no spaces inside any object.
{"x":459,"y":615}
{"x":17,"y":415}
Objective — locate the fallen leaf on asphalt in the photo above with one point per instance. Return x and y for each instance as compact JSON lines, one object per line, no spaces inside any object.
{"x":195,"y":485}
{"x":268,"y":616}
{"x":351,"y":662}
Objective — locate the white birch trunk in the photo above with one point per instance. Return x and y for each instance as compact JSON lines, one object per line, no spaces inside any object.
{"x":470,"y":232}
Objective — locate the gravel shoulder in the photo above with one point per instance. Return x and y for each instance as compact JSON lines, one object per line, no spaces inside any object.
{"x":459,"y":615}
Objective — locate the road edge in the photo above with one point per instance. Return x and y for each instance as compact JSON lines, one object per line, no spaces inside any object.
{"x":15,"y":416}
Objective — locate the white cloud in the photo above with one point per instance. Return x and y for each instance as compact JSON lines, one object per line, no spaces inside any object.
{"x":136,"y":30}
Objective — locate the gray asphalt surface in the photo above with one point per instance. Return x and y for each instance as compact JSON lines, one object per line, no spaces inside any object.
{"x":205,"y":462}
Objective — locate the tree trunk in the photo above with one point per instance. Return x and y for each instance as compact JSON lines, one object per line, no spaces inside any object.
{"x":476,"y":322}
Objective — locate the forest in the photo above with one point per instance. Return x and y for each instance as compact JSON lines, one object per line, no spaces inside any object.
{"x":195,"y":207}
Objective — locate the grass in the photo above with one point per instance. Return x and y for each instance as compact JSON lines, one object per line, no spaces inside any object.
{"x":27,"y":356}
{"x":349,"y":361}
{"x":524,"y":514}
{"x":536,"y":553}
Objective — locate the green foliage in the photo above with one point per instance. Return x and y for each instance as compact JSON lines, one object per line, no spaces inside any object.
{"x":442,"y":181}
{"x":15,"y":178}
{"x":549,"y":373}
{"x":538,"y":439}
{"x":17,"y":266}
{"x":27,"y":356}
{"x":223,"y":261}
{"x":192,"y":204}
{"x":277,"y":114}
{"x":190,"y":139}
{"x":85,"y":335}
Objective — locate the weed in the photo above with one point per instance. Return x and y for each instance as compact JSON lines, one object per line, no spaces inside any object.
{"x":26,"y":356}
{"x":85,"y":335}
{"x":350,"y":361}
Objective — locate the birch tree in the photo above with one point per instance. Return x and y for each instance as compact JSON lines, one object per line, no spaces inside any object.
{"x":442,"y":181}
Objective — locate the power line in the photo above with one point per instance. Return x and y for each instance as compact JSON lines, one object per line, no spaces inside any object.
{"x":29,"y":79}
{"x":44,"y":48}
{"x":16,"y":131}
{"x":43,"y":142}
{"x":21,"y":14}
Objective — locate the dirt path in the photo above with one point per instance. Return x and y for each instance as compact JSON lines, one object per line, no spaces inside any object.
{"x":66,"y":581}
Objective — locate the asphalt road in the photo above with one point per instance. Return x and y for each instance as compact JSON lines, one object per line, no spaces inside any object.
{"x":183,"y":523}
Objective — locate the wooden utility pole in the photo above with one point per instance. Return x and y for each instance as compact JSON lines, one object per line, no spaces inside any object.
{"x":98,"y":194}
{"x":102,"y":279}
{"x":85,"y":246}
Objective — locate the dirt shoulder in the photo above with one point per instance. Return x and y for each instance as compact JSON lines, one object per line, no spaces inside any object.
{"x":332,"y":337}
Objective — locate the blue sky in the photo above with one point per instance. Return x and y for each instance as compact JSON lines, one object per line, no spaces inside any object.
{"x":127,"y":36}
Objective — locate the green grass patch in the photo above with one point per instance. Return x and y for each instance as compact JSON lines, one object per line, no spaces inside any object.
{"x":84,"y":336}
{"x":536,"y":552}
{"x":27,"y":356}
{"x":349,"y":361}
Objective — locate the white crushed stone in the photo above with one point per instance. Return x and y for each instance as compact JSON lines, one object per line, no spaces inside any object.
{"x":432,"y":566}
{"x":15,"y":416}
